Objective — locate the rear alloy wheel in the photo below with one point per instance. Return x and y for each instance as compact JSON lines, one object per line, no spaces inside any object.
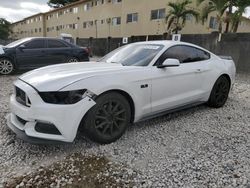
{"x":219,"y":94}
{"x":108,"y":119}
{"x":6,"y":66}
{"x":73,"y":60}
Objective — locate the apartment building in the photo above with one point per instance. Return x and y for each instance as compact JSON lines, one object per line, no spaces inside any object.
{"x":33,"y":26}
{"x":116,"y":18}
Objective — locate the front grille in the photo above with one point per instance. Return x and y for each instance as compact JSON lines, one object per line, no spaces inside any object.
{"x":22,"y":98}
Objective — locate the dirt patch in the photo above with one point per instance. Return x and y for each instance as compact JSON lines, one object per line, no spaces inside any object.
{"x":77,"y":170}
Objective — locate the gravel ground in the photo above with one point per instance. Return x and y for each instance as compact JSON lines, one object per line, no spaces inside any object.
{"x":198,"y":147}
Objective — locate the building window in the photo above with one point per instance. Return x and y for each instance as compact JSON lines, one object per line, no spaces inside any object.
{"x":116,"y":21}
{"x":87,"y":7}
{"x":49,"y":16}
{"x":40,"y":30}
{"x":116,"y":1}
{"x":213,"y":24}
{"x":132,"y":17}
{"x":75,"y":26}
{"x":99,"y":2}
{"x":189,"y":17}
{"x":70,"y":26}
{"x":49,"y":29}
{"x":75,"y":10}
{"x":157,"y":14}
{"x":88,"y":24}
{"x":103,"y":21}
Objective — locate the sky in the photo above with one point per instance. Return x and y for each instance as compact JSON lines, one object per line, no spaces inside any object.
{"x":15,"y":10}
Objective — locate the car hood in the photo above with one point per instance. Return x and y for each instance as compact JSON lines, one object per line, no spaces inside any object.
{"x":55,"y":77}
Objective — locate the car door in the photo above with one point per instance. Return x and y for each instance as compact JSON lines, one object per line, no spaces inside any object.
{"x":31,"y":54}
{"x":58,"y":51}
{"x":174,"y":87}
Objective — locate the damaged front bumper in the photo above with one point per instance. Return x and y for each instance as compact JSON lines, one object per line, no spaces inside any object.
{"x":43,"y":121}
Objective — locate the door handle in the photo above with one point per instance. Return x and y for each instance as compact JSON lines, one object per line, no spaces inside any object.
{"x":198,"y":71}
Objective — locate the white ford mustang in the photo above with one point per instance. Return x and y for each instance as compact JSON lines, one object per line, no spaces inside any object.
{"x":130,"y":84}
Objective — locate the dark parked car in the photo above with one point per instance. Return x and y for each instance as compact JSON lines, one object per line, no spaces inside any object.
{"x":30,"y":53}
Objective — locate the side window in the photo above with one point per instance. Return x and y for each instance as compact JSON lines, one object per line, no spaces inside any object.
{"x":56,"y":44}
{"x":35,"y":44}
{"x":185,"y":54}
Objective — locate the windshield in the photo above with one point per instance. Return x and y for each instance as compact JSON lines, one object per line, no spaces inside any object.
{"x":133,"y":54}
{"x":17,"y":42}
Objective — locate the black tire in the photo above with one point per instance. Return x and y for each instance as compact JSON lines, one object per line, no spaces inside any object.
{"x":72,"y":60}
{"x":6,"y":66}
{"x":220,"y":92}
{"x":108,"y":119}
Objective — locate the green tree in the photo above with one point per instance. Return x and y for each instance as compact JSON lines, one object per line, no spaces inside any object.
{"x":219,"y":6}
{"x":237,"y":16}
{"x":177,"y":16}
{"x":4,"y":29}
{"x":60,"y":3}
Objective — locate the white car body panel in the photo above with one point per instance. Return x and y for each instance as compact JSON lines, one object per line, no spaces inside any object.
{"x":167,"y":89}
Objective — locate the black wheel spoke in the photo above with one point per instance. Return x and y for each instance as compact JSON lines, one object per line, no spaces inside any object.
{"x":101,"y":117}
{"x":105,"y":129}
{"x":110,"y":107}
{"x":116,"y":125}
{"x":111,"y":129}
{"x":115,"y":108}
{"x":105,"y":111}
{"x":119,"y":112}
{"x":101,"y":125}
{"x":120,"y":119}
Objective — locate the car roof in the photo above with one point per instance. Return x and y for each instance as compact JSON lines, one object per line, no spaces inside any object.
{"x":169,"y":43}
{"x":43,"y":38}
{"x":166,"y":42}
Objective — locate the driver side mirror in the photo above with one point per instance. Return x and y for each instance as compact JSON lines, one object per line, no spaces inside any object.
{"x":169,"y":63}
{"x":21,"y":47}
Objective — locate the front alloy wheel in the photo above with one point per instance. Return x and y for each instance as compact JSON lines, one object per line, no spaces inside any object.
{"x":6,"y":66}
{"x":108,"y":119}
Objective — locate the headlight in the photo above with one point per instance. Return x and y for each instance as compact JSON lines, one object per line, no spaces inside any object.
{"x":63,"y":97}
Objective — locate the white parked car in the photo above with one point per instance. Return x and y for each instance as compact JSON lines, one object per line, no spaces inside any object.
{"x":133,"y":83}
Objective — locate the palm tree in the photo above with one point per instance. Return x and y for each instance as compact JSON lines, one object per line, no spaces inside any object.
{"x":177,"y":16}
{"x":219,"y":6}
{"x":236,"y":17}
{"x":230,"y":11}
